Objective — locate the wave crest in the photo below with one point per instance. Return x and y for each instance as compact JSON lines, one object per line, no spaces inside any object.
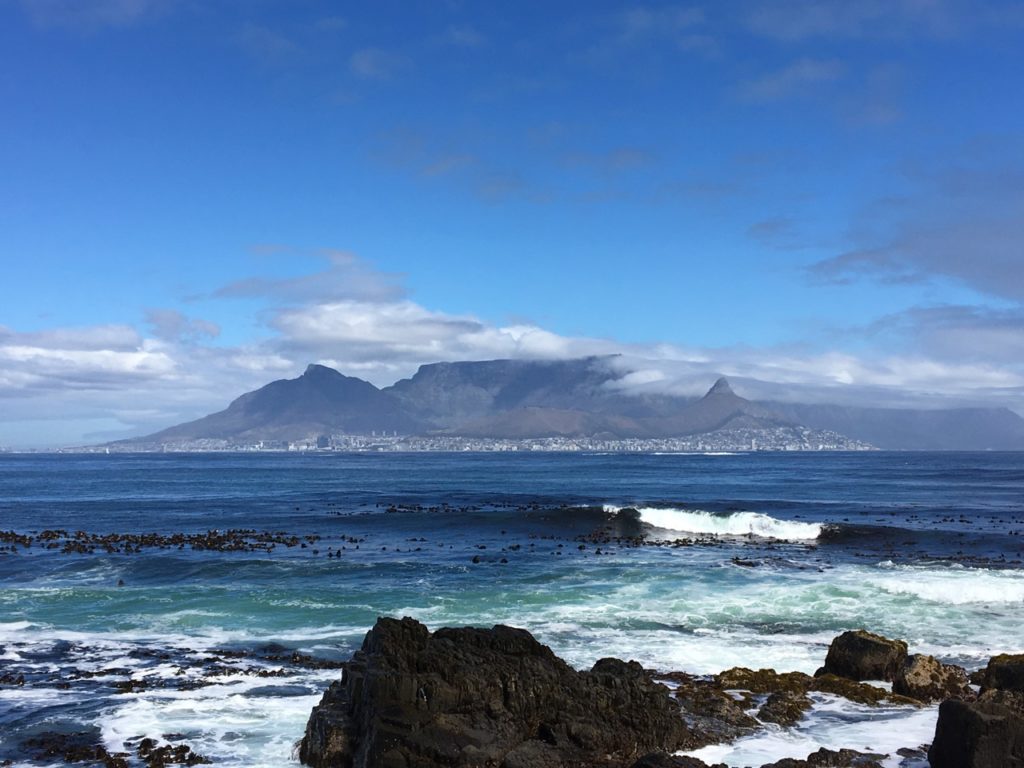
{"x":730,"y":524}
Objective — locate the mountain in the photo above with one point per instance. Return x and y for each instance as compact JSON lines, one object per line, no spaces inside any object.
{"x":516,"y":399}
{"x":720,"y":409}
{"x":529,"y":398}
{"x":952,"y":429}
{"x":459,"y":393}
{"x":320,"y":401}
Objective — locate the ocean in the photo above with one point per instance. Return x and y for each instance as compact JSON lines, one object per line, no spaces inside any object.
{"x":206,"y":599}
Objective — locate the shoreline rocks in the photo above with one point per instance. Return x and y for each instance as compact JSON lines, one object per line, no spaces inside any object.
{"x":472,"y":697}
{"x":927,"y":679}
{"x":987,"y":732}
{"x":469,"y":697}
{"x":862,"y":655}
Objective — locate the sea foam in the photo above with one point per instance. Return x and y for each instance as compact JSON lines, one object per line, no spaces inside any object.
{"x":833,"y":723}
{"x":730,"y":524}
{"x":953,"y":585}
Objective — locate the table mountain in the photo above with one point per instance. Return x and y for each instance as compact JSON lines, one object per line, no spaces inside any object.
{"x":516,"y":399}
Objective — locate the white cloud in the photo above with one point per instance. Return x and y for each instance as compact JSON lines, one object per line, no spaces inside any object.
{"x":963,"y":218}
{"x":113,"y":380}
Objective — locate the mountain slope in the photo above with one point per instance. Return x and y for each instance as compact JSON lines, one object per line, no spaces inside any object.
{"x":581,"y":398}
{"x":955,"y":429}
{"x":455,"y":393}
{"x":720,"y":408}
{"x":320,"y":401}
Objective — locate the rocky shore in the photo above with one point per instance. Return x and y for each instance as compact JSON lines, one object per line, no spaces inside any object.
{"x":467,"y":697}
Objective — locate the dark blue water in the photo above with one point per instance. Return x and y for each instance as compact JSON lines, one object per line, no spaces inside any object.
{"x":927,"y":547}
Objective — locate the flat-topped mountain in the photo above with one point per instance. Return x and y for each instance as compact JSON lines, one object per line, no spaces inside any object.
{"x":516,"y":399}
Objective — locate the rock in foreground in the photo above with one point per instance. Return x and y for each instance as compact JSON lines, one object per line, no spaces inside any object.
{"x":473,"y":697}
{"x":862,"y":655}
{"x":987,"y":733}
{"x":1004,"y":672}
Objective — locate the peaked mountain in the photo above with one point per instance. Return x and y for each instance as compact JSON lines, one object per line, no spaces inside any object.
{"x":319,"y":401}
{"x":601,"y":415}
{"x":570,"y":398}
{"x":720,"y":408}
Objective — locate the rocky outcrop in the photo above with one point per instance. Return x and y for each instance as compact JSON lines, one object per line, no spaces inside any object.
{"x":468,"y":697}
{"x":663,"y":760}
{"x":827,"y":758}
{"x":861,"y":655}
{"x":1004,"y":672}
{"x":473,"y":697}
{"x":925,"y":678}
{"x":784,"y":708}
{"x":987,"y":733}
{"x":797,"y":684}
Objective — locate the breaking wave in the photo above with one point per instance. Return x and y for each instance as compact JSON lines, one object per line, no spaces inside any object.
{"x":730,"y":524}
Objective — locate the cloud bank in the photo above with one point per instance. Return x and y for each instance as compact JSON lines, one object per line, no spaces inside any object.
{"x":66,"y":386}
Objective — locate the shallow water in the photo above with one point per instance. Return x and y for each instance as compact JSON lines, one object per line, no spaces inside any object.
{"x":925,"y":547}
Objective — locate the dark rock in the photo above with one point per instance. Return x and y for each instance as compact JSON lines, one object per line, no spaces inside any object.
{"x":784,"y":708}
{"x":925,"y":678}
{"x":663,"y":760}
{"x":763,"y":680}
{"x":77,"y":747}
{"x":473,"y":697}
{"x":987,"y":733}
{"x":862,"y":693}
{"x":827,"y":758}
{"x":861,"y":655}
{"x":1005,"y":672}
{"x":797,"y":683}
{"x":712,"y":714}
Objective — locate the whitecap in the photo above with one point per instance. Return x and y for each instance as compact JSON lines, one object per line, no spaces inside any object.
{"x":731,"y":524}
{"x":952,"y":586}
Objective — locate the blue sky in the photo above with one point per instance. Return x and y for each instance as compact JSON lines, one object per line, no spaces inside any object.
{"x":822,"y":199}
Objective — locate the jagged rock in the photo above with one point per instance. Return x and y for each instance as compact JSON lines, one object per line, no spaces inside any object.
{"x":925,"y":678}
{"x":662,"y":760}
{"x":763,"y":680}
{"x":797,"y":683}
{"x":784,"y":708}
{"x":473,"y":697}
{"x":827,"y":758}
{"x":862,"y":655}
{"x":1005,"y":672}
{"x":987,"y":733}
{"x":711,"y":712}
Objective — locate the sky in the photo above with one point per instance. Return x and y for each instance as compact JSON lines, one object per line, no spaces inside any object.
{"x":823,"y":200}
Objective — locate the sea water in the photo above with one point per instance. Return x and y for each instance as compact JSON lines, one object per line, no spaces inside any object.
{"x":754,"y":560}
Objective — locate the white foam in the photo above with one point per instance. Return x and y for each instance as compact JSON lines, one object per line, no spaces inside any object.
{"x":219,"y":721}
{"x":834,"y":723}
{"x":732,"y":524}
{"x":953,"y":586}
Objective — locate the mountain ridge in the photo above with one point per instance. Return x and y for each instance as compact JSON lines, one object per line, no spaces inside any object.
{"x":575,"y":398}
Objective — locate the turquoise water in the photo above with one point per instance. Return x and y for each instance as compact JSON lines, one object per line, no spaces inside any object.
{"x":925,"y":547}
